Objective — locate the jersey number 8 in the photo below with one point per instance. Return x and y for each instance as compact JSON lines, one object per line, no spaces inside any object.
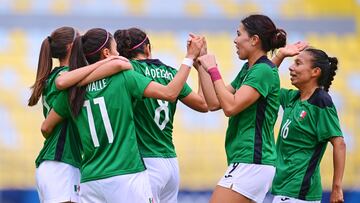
{"x":163,"y":107}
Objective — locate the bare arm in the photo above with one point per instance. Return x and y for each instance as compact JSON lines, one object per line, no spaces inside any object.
{"x":339,"y":153}
{"x":231,"y":103}
{"x":49,"y":123}
{"x":208,"y":89}
{"x":110,"y":68}
{"x":85,"y":75}
{"x":171,"y":91}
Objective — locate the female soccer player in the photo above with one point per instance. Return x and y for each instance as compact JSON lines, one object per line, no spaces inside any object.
{"x":57,"y":173}
{"x":112,"y":169}
{"x":309,"y":122}
{"x":154,"y":117}
{"x":252,"y":102}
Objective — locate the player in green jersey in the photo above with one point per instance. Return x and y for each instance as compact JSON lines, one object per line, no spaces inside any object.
{"x":154,"y":118}
{"x":252,"y":102}
{"x":57,"y":165}
{"x":309,"y":121}
{"x":112,"y":169}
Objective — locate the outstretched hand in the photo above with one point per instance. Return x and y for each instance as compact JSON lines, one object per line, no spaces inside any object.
{"x":292,"y":49}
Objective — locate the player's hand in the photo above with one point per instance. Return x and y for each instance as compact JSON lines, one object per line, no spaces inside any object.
{"x":194,"y":45}
{"x":207,"y":61}
{"x":292,"y":49}
{"x":337,"y":195}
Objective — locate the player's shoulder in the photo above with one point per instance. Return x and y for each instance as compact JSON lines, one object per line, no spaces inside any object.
{"x":321,"y":98}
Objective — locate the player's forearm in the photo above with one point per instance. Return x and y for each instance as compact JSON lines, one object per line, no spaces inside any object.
{"x":226,"y":98}
{"x":174,"y":88}
{"x":278,"y":58}
{"x":71,"y":78}
{"x":105,"y":70}
{"x":339,"y":154}
{"x":208,"y":89}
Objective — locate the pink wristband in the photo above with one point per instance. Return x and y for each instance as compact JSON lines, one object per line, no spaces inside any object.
{"x":214,"y":73}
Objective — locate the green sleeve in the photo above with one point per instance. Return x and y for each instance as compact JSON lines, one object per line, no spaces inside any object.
{"x":260,"y":77}
{"x":136,"y":83}
{"x":236,"y":81}
{"x":61,"y":105}
{"x":328,"y":124}
{"x":186,"y":90}
{"x":284,"y":98}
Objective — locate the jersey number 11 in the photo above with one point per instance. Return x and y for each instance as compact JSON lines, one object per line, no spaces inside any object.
{"x":105,"y":117}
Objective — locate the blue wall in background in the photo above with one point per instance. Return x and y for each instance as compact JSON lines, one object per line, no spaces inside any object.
{"x":185,"y":196}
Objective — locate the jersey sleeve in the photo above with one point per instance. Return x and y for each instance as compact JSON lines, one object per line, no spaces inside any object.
{"x":186,"y":90}
{"x":328,"y":124}
{"x":61,"y":105}
{"x":260,"y":78}
{"x":236,"y":81}
{"x":284,"y":97}
{"x":136,"y":83}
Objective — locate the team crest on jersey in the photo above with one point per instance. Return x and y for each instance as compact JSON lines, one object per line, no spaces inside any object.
{"x":302,"y":114}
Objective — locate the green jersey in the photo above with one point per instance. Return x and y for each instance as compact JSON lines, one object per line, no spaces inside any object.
{"x":62,"y":143}
{"x":305,"y":130}
{"x":106,"y":125}
{"x":154,"y":117}
{"x":250,"y":133}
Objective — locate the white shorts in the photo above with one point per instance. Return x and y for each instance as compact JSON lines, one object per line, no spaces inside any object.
{"x":250,"y":180}
{"x":164,"y":178}
{"x":57,"y":182}
{"x":134,"y":188}
{"x":285,"y":199}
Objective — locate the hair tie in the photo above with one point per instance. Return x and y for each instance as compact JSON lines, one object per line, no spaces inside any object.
{"x":136,"y":46}
{"x":107,"y":38}
{"x":49,"y":39}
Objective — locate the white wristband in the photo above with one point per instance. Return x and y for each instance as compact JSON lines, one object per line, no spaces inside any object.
{"x":188,"y":62}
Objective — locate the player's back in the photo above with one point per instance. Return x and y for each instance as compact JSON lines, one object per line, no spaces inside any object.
{"x":154,"y":117}
{"x":106,"y":126}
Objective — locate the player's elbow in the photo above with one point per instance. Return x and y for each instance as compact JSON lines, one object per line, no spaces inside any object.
{"x":45,"y":129}
{"x":213,"y":106}
{"x":60,"y":83}
{"x":228,"y":112}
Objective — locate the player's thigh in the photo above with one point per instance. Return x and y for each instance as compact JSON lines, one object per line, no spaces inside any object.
{"x":171,"y":189}
{"x":222,"y":194}
{"x":250,"y":180}
{"x":127,"y":188}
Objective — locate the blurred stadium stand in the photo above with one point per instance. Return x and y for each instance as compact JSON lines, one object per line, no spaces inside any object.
{"x":199,"y":138}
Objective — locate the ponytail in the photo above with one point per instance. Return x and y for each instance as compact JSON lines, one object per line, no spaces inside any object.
{"x":271,"y":37}
{"x":43,"y":72}
{"x":328,"y":66}
{"x":86,"y":50}
{"x":333,"y":61}
{"x":77,"y":60}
